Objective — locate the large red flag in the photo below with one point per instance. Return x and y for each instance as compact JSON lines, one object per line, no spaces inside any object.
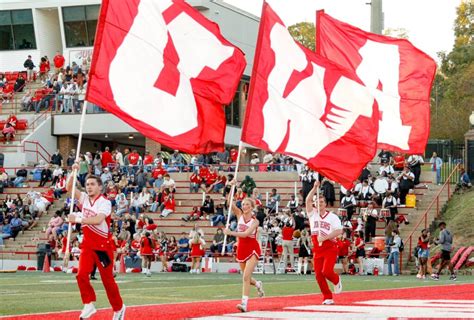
{"x":402,"y":73}
{"x":166,"y":70}
{"x":305,"y":106}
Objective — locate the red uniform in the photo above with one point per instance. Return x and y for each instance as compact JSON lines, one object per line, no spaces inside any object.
{"x":148,"y":159}
{"x":133,"y":158}
{"x":343,"y":247}
{"x":247,"y":247}
{"x":58,"y":61}
{"x":324,"y":254}
{"x":158,"y":171}
{"x":146,"y":246}
{"x":97,"y":240}
{"x":196,"y":250}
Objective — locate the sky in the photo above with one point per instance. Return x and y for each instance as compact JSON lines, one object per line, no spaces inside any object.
{"x":429,"y":23}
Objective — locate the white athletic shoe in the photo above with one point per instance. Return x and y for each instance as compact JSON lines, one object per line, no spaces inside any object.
{"x":338,"y":287}
{"x":242,"y":307}
{"x":148,"y":274}
{"x":418,"y":276}
{"x":328,"y":301}
{"x":120,"y":315}
{"x":259,"y":286}
{"x":88,"y":311}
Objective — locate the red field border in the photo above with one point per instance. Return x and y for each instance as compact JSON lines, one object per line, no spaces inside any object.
{"x":353,"y":299}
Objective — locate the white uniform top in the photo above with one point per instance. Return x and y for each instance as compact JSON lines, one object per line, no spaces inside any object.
{"x":97,"y":236}
{"x":324,"y":225}
{"x":243,"y":226}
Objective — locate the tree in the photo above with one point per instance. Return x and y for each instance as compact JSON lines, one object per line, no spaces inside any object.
{"x":400,"y":33}
{"x":304,"y":33}
{"x":453,"y":88}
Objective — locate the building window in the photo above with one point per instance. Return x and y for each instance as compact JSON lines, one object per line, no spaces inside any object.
{"x":233,"y":110}
{"x":16,"y":30}
{"x":80,"y":24}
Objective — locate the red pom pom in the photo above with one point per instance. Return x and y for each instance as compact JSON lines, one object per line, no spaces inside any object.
{"x":21,"y":268}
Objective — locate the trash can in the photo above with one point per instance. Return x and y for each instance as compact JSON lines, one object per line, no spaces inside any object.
{"x":43,"y":249}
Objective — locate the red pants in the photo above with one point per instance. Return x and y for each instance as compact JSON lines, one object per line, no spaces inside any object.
{"x":87,"y":260}
{"x":324,"y":263}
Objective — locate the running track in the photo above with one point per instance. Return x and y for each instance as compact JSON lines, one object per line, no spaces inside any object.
{"x":438,"y":302}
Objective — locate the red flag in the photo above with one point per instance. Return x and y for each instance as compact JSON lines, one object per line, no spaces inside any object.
{"x":305,"y":106}
{"x":402,"y":73}
{"x":166,"y":70}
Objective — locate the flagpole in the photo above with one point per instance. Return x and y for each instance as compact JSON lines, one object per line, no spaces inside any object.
{"x":232,"y":190}
{"x":317,"y":201}
{"x":74,"y":181}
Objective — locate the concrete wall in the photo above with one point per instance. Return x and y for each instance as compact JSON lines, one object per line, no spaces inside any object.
{"x":49,"y":39}
{"x":43,"y":136}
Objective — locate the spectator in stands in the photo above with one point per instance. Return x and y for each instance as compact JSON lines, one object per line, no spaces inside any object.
{"x":46,"y":176}
{"x":219,"y":217}
{"x":3,"y":179}
{"x":26,"y":101}
{"x":394,"y":253}
{"x":60,"y":187}
{"x":197,"y":244}
{"x":54,"y":223}
{"x":83,"y":171}
{"x":230,"y":178}
{"x":415,"y":162}
{"x":464,"y":180}
{"x":135,"y":206}
{"x":217,"y":242}
{"x":21,"y":176}
{"x":195,"y":182}
{"x":273,"y":201}
{"x":148,"y":161}
{"x":8,"y":132}
{"x":254,"y":161}
{"x":163,"y":251}
{"x":292,"y":204}
{"x":207,"y":208}
{"x":405,"y":182}
{"x":371,"y":222}
{"x":106,"y":158}
{"x":168,"y":183}
{"x":43,"y":70}
{"x":287,"y":243}
{"x":423,"y":253}
{"x":359,"y":248}
{"x":169,"y":206}
{"x":5,"y":230}
{"x":29,"y":65}
{"x":247,"y":185}
{"x":58,"y":62}
{"x":71,"y":158}
{"x":19,"y":84}
{"x":328,"y":192}
{"x":436,"y":164}
{"x":57,"y":159}
{"x":177,"y":160}
{"x":121,"y":204}
{"x":106,"y":176}
{"x":183,"y":248}
{"x":218,"y":184}
{"x":145,"y":199}
{"x":16,"y":224}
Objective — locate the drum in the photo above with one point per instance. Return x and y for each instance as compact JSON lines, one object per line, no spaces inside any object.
{"x":385,"y":213}
{"x":362,"y":203}
{"x":342,"y":212}
{"x":380,"y":185}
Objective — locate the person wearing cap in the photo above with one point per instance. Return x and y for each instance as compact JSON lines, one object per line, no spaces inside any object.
{"x":446,"y":241}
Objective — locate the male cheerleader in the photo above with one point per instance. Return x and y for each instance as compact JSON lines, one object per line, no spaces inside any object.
{"x":97,"y":246}
{"x":325,"y":228}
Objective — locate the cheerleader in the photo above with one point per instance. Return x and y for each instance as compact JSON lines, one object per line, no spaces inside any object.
{"x":163,"y":243}
{"x":147,"y":243}
{"x":248,"y":249}
{"x":304,"y":252}
{"x":197,"y":244}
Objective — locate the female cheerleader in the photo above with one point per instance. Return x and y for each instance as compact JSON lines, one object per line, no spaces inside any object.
{"x":248,"y":249}
{"x":304,"y":252}
{"x":147,"y":244}
{"x":197,"y":244}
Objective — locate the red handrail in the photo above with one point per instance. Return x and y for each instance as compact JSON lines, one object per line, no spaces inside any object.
{"x":424,"y":217}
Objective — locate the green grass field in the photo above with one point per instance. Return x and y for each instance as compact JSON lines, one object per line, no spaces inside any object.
{"x":37,"y":292}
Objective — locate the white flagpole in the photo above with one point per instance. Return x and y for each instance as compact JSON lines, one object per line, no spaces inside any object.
{"x":317,"y":202}
{"x":232,"y":190}
{"x":74,"y":181}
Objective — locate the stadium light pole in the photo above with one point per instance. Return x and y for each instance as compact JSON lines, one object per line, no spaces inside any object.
{"x":376,"y":16}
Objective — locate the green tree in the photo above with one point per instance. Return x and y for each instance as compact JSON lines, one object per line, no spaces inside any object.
{"x":304,"y":33}
{"x":453,"y":88}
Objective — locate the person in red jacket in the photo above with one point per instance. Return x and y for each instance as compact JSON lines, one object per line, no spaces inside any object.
{"x":43,"y":69}
{"x":287,"y":243}
{"x":148,"y":160}
{"x":107,"y":158}
{"x":343,"y":245}
{"x":58,"y":61}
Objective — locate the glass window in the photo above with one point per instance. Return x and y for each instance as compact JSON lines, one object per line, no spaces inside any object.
{"x":17,"y":30}
{"x":233,"y":110}
{"x":80,"y":24}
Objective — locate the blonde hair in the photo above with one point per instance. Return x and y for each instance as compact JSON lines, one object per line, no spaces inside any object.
{"x":251,"y":201}
{"x":196,"y":237}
